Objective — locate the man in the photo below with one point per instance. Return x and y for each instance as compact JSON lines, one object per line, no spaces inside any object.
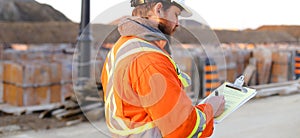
{"x":143,"y":87}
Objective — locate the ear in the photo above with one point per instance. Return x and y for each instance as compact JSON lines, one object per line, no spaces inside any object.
{"x":158,"y":10}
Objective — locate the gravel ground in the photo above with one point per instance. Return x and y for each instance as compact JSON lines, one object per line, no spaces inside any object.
{"x":274,"y":117}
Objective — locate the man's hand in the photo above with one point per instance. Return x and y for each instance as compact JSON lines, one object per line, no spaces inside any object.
{"x":218,"y":104}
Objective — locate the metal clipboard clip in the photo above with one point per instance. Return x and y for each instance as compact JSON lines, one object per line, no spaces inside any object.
{"x":238,"y":84}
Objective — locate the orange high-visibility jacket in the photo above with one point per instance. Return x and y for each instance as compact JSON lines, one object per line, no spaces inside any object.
{"x":144,"y":96}
{"x":143,"y":88}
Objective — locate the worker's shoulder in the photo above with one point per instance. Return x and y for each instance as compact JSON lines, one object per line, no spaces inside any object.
{"x":152,"y":62}
{"x":150,"y":57}
{"x":149,"y":63}
{"x":145,"y":57}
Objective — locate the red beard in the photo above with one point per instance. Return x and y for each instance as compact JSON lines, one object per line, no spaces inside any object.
{"x":167,"y":27}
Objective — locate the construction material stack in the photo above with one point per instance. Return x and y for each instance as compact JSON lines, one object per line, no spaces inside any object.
{"x":36,"y":77}
{"x":1,"y":74}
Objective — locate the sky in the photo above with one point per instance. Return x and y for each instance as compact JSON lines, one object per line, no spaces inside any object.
{"x":218,"y":14}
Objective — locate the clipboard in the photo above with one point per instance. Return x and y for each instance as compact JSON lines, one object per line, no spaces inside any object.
{"x":235,"y":96}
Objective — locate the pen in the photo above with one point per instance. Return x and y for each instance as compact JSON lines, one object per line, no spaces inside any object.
{"x":216,"y":93}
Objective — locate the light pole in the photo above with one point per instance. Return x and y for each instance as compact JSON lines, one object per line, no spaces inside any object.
{"x":84,"y":45}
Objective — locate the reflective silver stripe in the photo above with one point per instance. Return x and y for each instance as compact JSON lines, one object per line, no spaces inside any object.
{"x":129,"y":45}
{"x":109,"y":108}
{"x":108,"y":62}
{"x":186,"y":77}
{"x":116,"y":124}
{"x":202,"y":124}
{"x":113,"y":124}
{"x":135,"y":46}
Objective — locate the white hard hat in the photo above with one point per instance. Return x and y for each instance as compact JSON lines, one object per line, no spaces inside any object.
{"x":186,"y":12}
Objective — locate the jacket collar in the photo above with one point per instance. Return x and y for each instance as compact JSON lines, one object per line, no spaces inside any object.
{"x":141,"y":28}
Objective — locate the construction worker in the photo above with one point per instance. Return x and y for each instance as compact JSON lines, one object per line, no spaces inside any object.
{"x":143,"y":87}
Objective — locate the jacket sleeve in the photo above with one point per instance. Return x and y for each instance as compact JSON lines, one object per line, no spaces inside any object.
{"x":161,"y":94}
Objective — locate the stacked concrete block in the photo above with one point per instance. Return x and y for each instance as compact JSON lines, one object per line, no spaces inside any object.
{"x":1,"y":80}
{"x":38,"y":75}
{"x":241,"y":58}
{"x":32,"y":83}
{"x":34,"y":77}
{"x":280,"y":66}
{"x":228,"y":71}
{"x":264,"y":62}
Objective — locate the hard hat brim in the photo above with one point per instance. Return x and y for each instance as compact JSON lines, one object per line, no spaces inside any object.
{"x":186,"y":12}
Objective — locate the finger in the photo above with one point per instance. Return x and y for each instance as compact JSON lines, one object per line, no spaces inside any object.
{"x":223,"y":102}
{"x":222,"y":107}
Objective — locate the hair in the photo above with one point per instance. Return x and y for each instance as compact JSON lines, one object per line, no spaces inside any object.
{"x":144,"y":9}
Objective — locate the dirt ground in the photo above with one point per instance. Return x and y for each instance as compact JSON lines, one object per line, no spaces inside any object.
{"x":10,"y":124}
{"x":274,"y":117}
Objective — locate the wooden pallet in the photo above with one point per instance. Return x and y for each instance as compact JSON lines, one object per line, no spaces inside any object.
{"x":284,"y":88}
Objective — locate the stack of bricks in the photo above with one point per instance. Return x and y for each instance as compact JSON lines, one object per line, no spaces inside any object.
{"x":66,"y":73}
{"x":36,"y":78}
{"x":280,"y":66}
{"x":1,"y":74}
{"x":229,"y":70}
{"x":241,"y":57}
{"x":32,"y":83}
{"x":263,"y":57}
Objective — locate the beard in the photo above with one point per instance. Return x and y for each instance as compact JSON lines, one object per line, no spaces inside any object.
{"x":167,"y":27}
